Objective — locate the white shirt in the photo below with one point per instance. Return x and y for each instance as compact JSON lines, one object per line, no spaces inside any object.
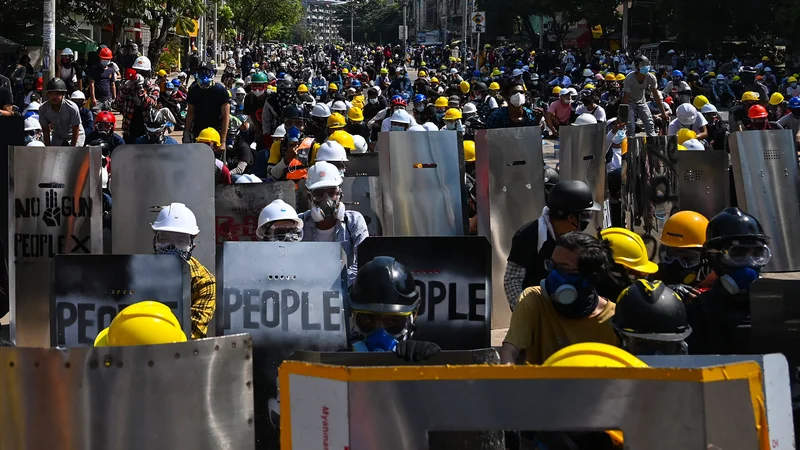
{"x":793,"y":91}
{"x":324,"y":235}
{"x":386,"y":125}
{"x":675,"y":125}
{"x":599,"y":113}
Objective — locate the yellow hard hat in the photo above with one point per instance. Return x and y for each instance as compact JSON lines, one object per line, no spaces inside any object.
{"x":143,"y":323}
{"x":685,"y":229}
{"x":610,"y":77}
{"x":629,"y":250}
{"x":750,"y":96}
{"x":422,"y":73}
{"x":452,"y":114}
{"x":302,"y":89}
{"x":355,"y":114}
{"x":469,"y":151}
{"x":424,"y":64}
{"x":464,"y":87}
{"x":776,"y":99}
{"x":765,"y":58}
{"x":345,"y":71}
{"x":494,"y":86}
{"x":487,"y":46}
{"x":384,"y":71}
{"x":682,"y":148}
{"x":700,"y":101}
{"x":434,"y":80}
{"x":556,"y":90}
{"x":344,"y":139}
{"x":458,"y":59}
{"x":209,"y":135}
{"x":333,"y":87}
{"x":736,"y":78}
{"x":162,"y":73}
{"x":593,"y":354}
{"x":712,"y":74}
{"x":441,"y":102}
{"x":589,"y":86}
{"x":255,"y":65}
{"x":496,"y":73}
{"x":620,"y":77}
{"x":792,"y":80}
{"x":336,"y":120}
{"x":358,"y":102}
{"x":684,"y":134}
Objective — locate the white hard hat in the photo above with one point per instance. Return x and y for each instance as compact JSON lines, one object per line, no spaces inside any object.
{"x":417,"y":128}
{"x":585,"y":119}
{"x":279,"y":132}
{"x":339,"y":106}
{"x":686,"y":113}
{"x":239,"y":91}
{"x":401,"y":116}
{"x":322,"y":175}
{"x":360,"y":145}
{"x":142,"y":63}
{"x":588,"y":72}
{"x":331,"y":151}
{"x":721,"y":77}
{"x":248,"y":178}
{"x":430,"y":126}
{"x":277,"y":210}
{"x":516,"y":73}
{"x":767,"y":69}
{"x":78,"y":95}
{"x":67,"y":52}
{"x":671,"y":52}
{"x":182,"y":75}
{"x":176,"y":218}
{"x":239,"y":81}
{"x":453,"y":71}
{"x":534,"y":76}
{"x":693,"y":144}
{"x":708,"y":108}
{"x":321,"y":110}
{"x":32,"y":106}
{"x":32,"y":124}
{"x":35,"y":144}
{"x":469,"y":108}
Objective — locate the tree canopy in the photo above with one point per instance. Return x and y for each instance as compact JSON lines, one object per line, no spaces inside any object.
{"x":264,"y":19}
{"x":373,"y":21}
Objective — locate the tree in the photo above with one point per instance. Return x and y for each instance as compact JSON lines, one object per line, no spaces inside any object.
{"x":162,"y":19}
{"x":264,"y":19}
{"x":373,"y":21}
{"x":102,"y":12}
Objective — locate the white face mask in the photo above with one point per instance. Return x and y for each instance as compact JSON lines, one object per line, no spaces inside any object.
{"x":373,"y":100}
{"x":258,"y":92}
{"x":518,"y":99}
{"x":451,"y":125}
{"x":398,"y":128}
{"x":419,"y":108}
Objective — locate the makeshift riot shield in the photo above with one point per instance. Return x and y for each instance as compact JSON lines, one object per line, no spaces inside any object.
{"x":336,"y":404}
{"x":462,"y":357}
{"x":89,"y":291}
{"x":583,"y":158}
{"x":650,"y":187}
{"x":11,"y":133}
{"x":422,"y":180}
{"x":237,"y":207}
{"x":192,"y":395}
{"x":288,"y":296}
{"x":148,"y":177}
{"x":365,"y":165}
{"x":57,"y":210}
{"x":703,"y":181}
{"x":362,"y":194}
{"x":764,"y":165}
{"x":510,"y":193}
{"x":453,"y":276}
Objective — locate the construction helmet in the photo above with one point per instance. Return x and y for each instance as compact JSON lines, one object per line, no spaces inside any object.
{"x":620,"y":77}
{"x":699,"y":101}
{"x":258,"y":77}
{"x":355,"y":114}
{"x":585,"y":119}
{"x":651,"y":310}
{"x":143,"y":323}
{"x":321,"y":110}
{"x":422,"y":73}
{"x":277,"y":210}
{"x":556,"y":90}
{"x":750,"y":96}
{"x":360,"y":144}
{"x":629,"y":250}
{"x":344,"y":138}
{"x":469,"y":151}
{"x":684,"y":134}
{"x":333,"y":87}
{"x":733,"y":224}
{"x":592,"y":354}
{"x":345,"y":71}
{"x":757,"y":112}
{"x":776,"y":99}
{"x":693,"y":144}
{"x":209,"y":135}
{"x":302,"y":89}
{"x":142,"y":63}
{"x":464,"y":87}
{"x":384,"y":71}
{"x":323,"y":175}
{"x":331,"y":150}
{"x":176,"y":218}
{"x":434,"y":80}
{"x":336,"y":120}
{"x":494,"y":86}
{"x":687,"y":114}
{"x":452,"y":114}
{"x":441,"y":102}
{"x":685,"y":229}
{"x":610,"y":76}
{"x":105,"y":53}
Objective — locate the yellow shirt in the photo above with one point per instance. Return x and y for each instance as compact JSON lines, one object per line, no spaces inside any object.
{"x":538,"y":329}
{"x":204,"y":298}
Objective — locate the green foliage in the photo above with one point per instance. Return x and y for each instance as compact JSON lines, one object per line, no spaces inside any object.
{"x":264,"y":19}
{"x":373,"y":21}
{"x":171,"y":55}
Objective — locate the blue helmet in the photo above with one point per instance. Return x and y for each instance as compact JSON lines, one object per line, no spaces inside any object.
{"x":419,"y":98}
{"x":35,"y":114}
{"x":176,"y":82}
{"x":677,"y":74}
{"x":356,"y":83}
{"x":476,"y":73}
{"x":281,"y":75}
{"x":169,"y":85}
{"x":519,"y":64}
{"x":794,"y":103}
{"x":405,"y":96}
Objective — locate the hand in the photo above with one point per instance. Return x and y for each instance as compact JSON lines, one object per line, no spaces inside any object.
{"x":686,"y":293}
{"x":291,"y":152}
{"x":665,"y":117}
{"x":187,"y":137}
{"x":416,"y":351}
{"x":52,"y":213}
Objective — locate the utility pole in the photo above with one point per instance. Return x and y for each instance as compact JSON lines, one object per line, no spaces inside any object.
{"x":49,"y":40}
{"x":464,"y":21}
{"x":446,"y":17}
{"x":405,"y":28}
{"x":625,"y":19}
{"x":352,"y":12}
{"x":216,"y":43}
{"x":201,"y":36}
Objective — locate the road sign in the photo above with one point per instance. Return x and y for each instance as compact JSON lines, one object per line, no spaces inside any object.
{"x":478,"y":19}
{"x":401,"y":31}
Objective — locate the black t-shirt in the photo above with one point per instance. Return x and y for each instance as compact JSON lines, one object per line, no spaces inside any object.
{"x":102,"y":81}
{"x":523,"y":253}
{"x":240,"y":152}
{"x":5,"y":97}
{"x":207,"y":105}
{"x":739,"y":114}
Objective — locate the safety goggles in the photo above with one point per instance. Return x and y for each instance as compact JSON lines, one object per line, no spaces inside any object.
{"x":549,"y":265}
{"x":289,"y":123}
{"x":686,"y":257}
{"x":179,"y":240}
{"x":284,"y":234}
{"x":745,"y":255}
{"x":394,"y":324}
{"x":319,"y":194}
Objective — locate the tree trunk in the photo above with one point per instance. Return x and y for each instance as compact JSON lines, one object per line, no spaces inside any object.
{"x":118,"y":28}
{"x":158,"y":42}
{"x":526,"y":25}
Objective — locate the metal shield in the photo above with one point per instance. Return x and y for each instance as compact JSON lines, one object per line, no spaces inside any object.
{"x":765,"y":172}
{"x":237,"y":207}
{"x":703,"y":182}
{"x":148,"y":177}
{"x":422,"y":179}
{"x":55,"y":193}
{"x":362,"y":194}
{"x":373,"y":359}
{"x":288,"y":296}
{"x":453,"y":276}
{"x":583,"y":158}
{"x":89,"y":291}
{"x":365,"y":165}
{"x":510,"y":193}
{"x":11,"y":133}
{"x":192,"y":395}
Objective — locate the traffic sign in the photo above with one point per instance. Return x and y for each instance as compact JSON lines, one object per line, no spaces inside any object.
{"x":478,"y":20}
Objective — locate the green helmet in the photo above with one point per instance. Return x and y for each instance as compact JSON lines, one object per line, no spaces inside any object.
{"x":259,"y":77}
{"x":233,"y":125}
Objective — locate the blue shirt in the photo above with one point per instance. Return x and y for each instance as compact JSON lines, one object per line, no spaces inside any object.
{"x":87,"y":119}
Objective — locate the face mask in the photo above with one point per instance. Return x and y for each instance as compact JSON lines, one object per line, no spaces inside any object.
{"x":182,"y":246}
{"x":378,"y":341}
{"x":399,"y":127}
{"x":451,"y":125}
{"x":566,"y":101}
{"x":373,"y":101}
{"x":258,"y":92}
{"x":644,"y":70}
{"x":794,"y":85}
{"x":571,"y":295}
{"x":675,"y":273}
{"x":738,"y":280}
{"x":420,"y":108}
{"x":104,"y":62}
{"x":326,"y":209}
{"x":619,"y":137}
{"x":518,"y":99}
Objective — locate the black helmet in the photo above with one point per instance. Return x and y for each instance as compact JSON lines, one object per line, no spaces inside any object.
{"x":749,"y":70}
{"x":479,"y":86}
{"x":641,"y":60}
{"x":56,"y":85}
{"x":292,"y":112}
{"x":571,"y":196}
{"x":383,"y":285}
{"x":733,"y":223}
{"x":587,"y":94}
{"x":551,"y":177}
{"x":651,"y":310}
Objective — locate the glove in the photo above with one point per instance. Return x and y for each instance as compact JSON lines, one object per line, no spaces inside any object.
{"x":686,"y":293}
{"x":416,"y":351}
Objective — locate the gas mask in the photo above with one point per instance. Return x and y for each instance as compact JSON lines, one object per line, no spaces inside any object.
{"x":572,"y":295}
{"x":326,"y":204}
{"x":283,"y":234}
{"x":173,"y":243}
{"x":740,"y":264}
{"x":380,"y":332}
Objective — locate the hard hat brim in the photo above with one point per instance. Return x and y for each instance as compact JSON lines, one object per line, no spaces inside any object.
{"x":175,"y":230}
{"x":662,"y":337}
{"x":647,"y":268}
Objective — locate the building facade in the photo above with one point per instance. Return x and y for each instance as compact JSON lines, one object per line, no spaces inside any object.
{"x":321,"y":20}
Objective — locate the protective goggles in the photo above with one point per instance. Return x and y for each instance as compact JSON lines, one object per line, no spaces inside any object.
{"x":330,"y":192}
{"x":549,"y":265}
{"x":394,"y":324}
{"x":289,"y":123}
{"x":283,"y":234}
{"x":686,"y":257}
{"x":745,"y":255}
{"x":179,"y":240}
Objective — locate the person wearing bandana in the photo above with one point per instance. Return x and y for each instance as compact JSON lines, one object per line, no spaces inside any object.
{"x":175,"y":229}
{"x":564,"y":309}
{"x":279,"y":222}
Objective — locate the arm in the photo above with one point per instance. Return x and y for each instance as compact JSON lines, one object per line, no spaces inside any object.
{"x":226,"y":117}
{"x":508,"y":353}
{"x":45,"y":128}
{"x":548,"y":119}
{"x":204,"y":299}
{"x":91,"y":92}
{"x":75,"y":131}
{"x":189,"y":118}
{"x":703,"y":133}
{"x":113,"y":87}
{"x":7,"y":110}
{"x":513,"y":280}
